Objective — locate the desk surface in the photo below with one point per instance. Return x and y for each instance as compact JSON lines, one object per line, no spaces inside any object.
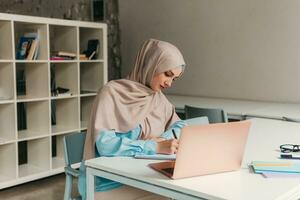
{"x":240,"y":107}
{"x":238,"y":185}
{"x":265,"y":136}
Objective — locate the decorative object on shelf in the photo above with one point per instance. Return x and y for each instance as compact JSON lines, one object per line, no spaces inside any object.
{"x":92,"y":49}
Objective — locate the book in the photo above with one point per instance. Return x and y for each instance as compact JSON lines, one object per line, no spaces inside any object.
{"x":276,"y":166}
{"x":32,"y":50}
{"x":23,"y":47}
{"x":92,"y":55}
{"x":280,"y":175}
{"x":66,"y":54}
{"x":156,"y":156}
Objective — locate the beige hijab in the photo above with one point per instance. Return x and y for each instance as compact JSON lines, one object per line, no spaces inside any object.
{"x":124,"y":104}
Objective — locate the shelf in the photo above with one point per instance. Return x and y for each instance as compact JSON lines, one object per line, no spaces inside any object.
{"x":63,"y":38}
{"x":63,"y":61}
{"x":38,"y":157}
{"x":85,"y":110}
{"x":57,"y":130}
{"x":91,"y":61}
{"x":90,"y":77}
{"x":24,"y":135}
{"x":31,"y":61}
{"x":7,"y":123}
{"x":31,"y":134}
{"x":35,"y":80}
{"x":87,"y":34}
{"x":91,"y":94}
{"x":22,"y":28}
{"x":6,"y":49}
{"x":58,"y":160}
{"x":83,"y":125}
{"x":8,"y":162}
{"x":65,"y":76}
{"x":6,"y":81}
{"x":65,"y":115}
{"x":36,"y":123}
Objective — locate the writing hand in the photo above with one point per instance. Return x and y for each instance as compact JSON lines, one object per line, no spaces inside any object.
{"x":167,"y":146}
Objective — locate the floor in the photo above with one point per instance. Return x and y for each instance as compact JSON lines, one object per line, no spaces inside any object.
{"x":51,"y":188}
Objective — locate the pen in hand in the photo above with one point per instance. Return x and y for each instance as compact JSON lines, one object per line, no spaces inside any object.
{"x":174,"y":134}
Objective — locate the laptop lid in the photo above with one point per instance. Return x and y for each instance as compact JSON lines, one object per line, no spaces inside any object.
{"x":208,"y":149}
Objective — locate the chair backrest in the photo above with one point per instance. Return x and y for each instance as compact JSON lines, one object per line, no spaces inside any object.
{"x":73,"y":147}
{"x":214,"y":115}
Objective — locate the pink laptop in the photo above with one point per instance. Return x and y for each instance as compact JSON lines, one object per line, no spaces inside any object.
{"x":207,"y":149}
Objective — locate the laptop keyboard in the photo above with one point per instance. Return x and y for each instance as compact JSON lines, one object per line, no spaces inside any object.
{"x":168,"y":170}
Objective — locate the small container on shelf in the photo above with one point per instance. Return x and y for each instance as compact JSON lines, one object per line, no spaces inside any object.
{"x":30,"y":41}
{"x":34,"y":156}
{"x":91,"y":78}
{"x":6,"y":48}
{"x":64,"y":81}
{"x":32,"y":81}
{"x":8,"y":162}
{"x":91,"y":43}
{"x":7,"y":123}
{"x":85,"y":110}
{"x":33,"y":119}
{"x":6,"y":81}
{"x":63,"y":42}
{"x":64,"y":115}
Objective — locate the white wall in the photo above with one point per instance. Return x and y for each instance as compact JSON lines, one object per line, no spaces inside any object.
{"x":245,"y":49}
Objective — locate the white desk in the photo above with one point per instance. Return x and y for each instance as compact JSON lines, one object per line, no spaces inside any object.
{"x":277,"y":111}
{"x":240,"y":109}
{"x":238,"y":185}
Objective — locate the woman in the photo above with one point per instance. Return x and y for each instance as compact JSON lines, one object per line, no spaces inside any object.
{"x":132,"y":116}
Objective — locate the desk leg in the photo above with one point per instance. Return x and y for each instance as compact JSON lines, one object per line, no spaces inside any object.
{"x":90,"y":184}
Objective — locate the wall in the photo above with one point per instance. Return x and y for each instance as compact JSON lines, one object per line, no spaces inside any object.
{"x":240,"y":49}
{"x":75,"y":10}
{"x":66,"y":9}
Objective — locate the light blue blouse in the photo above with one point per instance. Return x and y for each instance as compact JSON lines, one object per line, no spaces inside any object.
{"x":111,"y":143}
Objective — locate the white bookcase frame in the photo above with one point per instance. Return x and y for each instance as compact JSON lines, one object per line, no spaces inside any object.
{"x":82,"y":77}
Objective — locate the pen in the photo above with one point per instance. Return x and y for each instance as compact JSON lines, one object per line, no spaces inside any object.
{"x":174,"y":134}
{"x":288,"y":156}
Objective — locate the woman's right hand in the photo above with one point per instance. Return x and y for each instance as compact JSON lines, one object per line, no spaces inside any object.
{"x":167,"y":146}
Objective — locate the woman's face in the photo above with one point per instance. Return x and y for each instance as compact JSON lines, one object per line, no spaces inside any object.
{"x":164,"y":80}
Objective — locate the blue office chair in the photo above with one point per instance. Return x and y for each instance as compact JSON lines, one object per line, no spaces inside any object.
{"x":73,"y":152}
{"x":214,"y":115}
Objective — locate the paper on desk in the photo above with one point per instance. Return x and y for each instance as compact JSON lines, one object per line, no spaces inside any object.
{"x":157,"y":157}
{"x":280,"y":175}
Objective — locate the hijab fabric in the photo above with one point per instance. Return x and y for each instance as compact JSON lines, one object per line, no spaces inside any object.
{"x":124,"y":104}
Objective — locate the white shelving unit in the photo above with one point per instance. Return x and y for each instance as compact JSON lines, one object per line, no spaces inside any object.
{"x":34,"y":149}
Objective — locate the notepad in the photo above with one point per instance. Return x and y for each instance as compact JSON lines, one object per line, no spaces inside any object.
{"x":264,"y":166}
{"x":157,"y":157}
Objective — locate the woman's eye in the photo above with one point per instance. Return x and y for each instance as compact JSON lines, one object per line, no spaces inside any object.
{"x":168,"y":74}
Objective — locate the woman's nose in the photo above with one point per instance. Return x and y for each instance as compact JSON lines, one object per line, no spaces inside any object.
{"x":168,"y":83}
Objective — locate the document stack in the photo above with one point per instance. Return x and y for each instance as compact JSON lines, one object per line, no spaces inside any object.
{"x":276,"y":169}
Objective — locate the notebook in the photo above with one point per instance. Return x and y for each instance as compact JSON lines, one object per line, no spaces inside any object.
{"x":207,"y":149}
{"x":156,"y":157}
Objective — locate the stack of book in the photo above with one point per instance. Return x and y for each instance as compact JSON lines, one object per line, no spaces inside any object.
{"x":63,"y":55}
{"x":28,"y":46}
{"x":276,"y":168}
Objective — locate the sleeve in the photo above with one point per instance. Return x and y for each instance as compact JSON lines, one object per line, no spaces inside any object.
{"x":177,"y":126}
{"x":111,"y":143}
